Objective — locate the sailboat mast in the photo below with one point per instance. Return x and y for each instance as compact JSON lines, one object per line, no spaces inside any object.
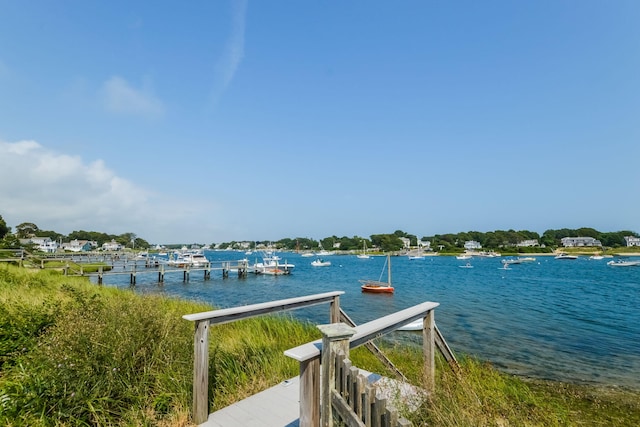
{"x":389,"y":269}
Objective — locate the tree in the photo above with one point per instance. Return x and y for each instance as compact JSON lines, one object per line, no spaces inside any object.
{"x":4,"y":229}
{"x":26,"y":230}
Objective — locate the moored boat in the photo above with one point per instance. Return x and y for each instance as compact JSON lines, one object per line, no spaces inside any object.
{"x":320,"y":263}
{"x":622,"y":263}
{"x":378,"y":286}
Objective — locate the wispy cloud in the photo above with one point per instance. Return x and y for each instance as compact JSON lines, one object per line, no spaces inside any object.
{"x":228,"y":64}
{"x":64,"y":193}
{"x":122,"y":98}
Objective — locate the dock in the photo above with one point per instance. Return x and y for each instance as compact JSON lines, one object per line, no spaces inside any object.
{"x":278,"y":406}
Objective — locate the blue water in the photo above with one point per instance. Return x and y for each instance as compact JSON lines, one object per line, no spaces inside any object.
{"x":568,"y":320}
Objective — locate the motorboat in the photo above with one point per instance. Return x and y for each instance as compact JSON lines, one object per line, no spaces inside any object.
{"x":189,"y":259}
{"x":596,"y":257}
{"x":378,"y":286}
{"x":509,"y":261}
{"x":415,"y":257}
{"x":566,"y":256}
{"x":271,"y":264}
{"x":464,"y":256}
{"x":622,"y":263}
{"x":320,"y":263}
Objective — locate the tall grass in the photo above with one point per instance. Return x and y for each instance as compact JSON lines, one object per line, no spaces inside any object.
{"x":77,"y":354}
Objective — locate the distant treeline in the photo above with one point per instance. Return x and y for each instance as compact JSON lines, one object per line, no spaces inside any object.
{"x":451,"y":242}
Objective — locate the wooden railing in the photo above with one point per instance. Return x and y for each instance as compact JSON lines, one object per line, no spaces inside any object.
{"x":354,"y":401}
{"x":227,"y":315}
{"x":310,"y":356}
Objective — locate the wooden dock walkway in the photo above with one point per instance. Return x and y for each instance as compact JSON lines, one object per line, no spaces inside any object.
{"x":278,"y":406}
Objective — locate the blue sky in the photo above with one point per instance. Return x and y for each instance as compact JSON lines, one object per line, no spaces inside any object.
{"x":215,"y":121}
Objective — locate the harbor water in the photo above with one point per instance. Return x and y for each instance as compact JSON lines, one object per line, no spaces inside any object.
{"x":568,"y":320}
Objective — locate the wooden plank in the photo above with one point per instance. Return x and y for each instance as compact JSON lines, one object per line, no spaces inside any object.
{"x":344,"y":411}
{"x":227,"y":315}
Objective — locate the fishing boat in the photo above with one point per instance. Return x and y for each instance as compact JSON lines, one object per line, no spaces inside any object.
{"x":320,"y":263}
{"x":378,"y":286}
{"x":621,"y":263}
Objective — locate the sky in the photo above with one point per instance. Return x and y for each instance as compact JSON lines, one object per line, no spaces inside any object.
{"x":235,"y":120}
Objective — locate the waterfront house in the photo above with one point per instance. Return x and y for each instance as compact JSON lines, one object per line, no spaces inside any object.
{"x":632,"y":241}
{"x":572,"y":242}
{"x":527,"y":243}
{"x":79,"y":245}
{"x":111,"y":246}
{"x":43,"y":244}
{"x":471,"y":245}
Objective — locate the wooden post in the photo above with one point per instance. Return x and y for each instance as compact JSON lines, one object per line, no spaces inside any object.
{"x":161,"y":274}
{"x":310,"y":393}
{"x":201,"y":372}
{"x":334,"y":310}
{"x":428,"y":348}
{"x":100,"y":273}
{"x":335,"y":339}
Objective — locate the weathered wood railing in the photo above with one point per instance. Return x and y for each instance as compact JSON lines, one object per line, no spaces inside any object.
{"x":354,"y":400}
{"x":227,"y":315}
{"x":312,"y":411}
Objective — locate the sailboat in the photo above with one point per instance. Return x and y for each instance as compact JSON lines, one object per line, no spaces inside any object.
{"x":378,"y":286}
{"x":363,"y":255}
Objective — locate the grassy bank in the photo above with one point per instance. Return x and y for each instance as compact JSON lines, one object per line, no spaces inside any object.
{"x":75,"y":354}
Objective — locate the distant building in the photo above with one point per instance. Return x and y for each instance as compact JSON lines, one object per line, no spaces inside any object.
{"x":426,"y":245}
{"x":406,"y":242}
{"x":471,"y":245}
{"x":79,"y":245}
{"x":527,"y":243}
{"x":632,"y":241}
{"x":111,"y":246}
{"x":571,"y":242}
{"x":44,"y":244}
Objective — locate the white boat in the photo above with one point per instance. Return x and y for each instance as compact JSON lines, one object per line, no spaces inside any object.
{"x":271,"y":264}
{"x":320,"y":263}
{"x":509,"y":261}
{"x":566,"y":256}
{"x":416,"y":325}
{"x":415,"y":257}
{"x":364,"y":254}
{"x":463,"y":256}
{"x":307,"y":254}
{"x":621,"y":263}
{"x":189,"y":259}
{"x":596,"y":257}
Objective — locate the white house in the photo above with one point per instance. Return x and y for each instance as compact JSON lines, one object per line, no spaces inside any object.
{"x":471,"y":245}
{"x":79,"y":245}
{"x":527,"y":243}
{"x":111,"y":246}
{"x":632,"y":241}
{"x":569,"y":242}
{"x":45,"y":244}
{"x":406,"y":242}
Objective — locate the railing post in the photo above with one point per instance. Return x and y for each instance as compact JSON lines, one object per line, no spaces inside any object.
{"x":310,"y":393}
{"x":428,"y":348}
{"x":335,"y":339}
{"x":334,"y":310}
{"x":201,"y":372}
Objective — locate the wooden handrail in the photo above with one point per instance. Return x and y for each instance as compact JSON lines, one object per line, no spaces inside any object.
{"x":201,"y":337}
{"x":309,"y":354}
